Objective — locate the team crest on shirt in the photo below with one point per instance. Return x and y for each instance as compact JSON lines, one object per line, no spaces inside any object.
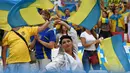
{"x":23,"y":33}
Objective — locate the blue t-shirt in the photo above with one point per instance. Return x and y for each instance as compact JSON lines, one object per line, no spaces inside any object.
{"x":65,"y":17}
{"x":47,"y":35}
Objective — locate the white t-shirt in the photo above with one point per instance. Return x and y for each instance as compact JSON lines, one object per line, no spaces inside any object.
{"x":65,"y":62}
{"x":89,"y":39}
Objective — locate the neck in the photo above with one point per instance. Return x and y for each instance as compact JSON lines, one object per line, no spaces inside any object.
{"x":67,"y":15}
{"x":17,"y":28}
{"x":71,"y":53}
{"x":88,"y":32}
{"x":64,"y":32}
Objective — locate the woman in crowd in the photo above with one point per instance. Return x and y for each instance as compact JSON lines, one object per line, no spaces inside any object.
{"x":105,"y":26}
{"x":67,"y":30}
{"x":88,"y":40}
{"x":117,"y":21}
{"x":67,"y":60}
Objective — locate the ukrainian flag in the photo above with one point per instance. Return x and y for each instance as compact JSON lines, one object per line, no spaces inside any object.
{"x":80,"y":51}
{"x":5,"y":7}
{"x":87,"y":15}
{"x":70,"y":6}
{"x":26,"y":13}
{"x":105,"y":20}
{"x":112,"y":55}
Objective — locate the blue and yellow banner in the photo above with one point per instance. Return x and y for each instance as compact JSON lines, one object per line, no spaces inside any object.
{"x":112,"y":55}
{"x":23,"y":15}
{"x":5,"y":7}
{"x":25,"y":12}
{"x":70,"y":6}
{"x":87,"y":15}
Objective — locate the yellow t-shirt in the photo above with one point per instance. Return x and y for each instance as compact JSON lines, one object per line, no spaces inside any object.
{"x":18,"y":51}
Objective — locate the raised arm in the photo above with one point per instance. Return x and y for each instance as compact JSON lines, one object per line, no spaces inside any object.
{"x":64,"y":24}
{"x":102,"y":5}
{"x":57,"y":12}
{"x":44,"y":26}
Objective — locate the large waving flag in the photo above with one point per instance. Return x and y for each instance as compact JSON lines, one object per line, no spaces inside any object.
{"x":112,"y":55}
{"x":25,"y":13}
{"x":70,"y":6}
{"x":87,"y":15}
{"x":43,"y":4}
{"x":5,"y":7}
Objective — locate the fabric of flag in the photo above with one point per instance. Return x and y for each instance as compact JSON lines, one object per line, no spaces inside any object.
{"x":70,"y":6}
{"x":43,"y":4}
{"x":112,"y":55}
{"x":127,"y":50}
{"x":87,"y":15}
{"x":26,"y":13}
{"x":80,"y":51}
{"x":5,"y":7}
{"x":105,"y":20}
{"x":102,"y":58}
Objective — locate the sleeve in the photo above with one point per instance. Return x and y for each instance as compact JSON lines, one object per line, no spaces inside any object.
{"x":52,"y":36}
{"x":32,"y":30}
{"x":57,"y":38}
{"x":5,"y":40}
{"x":82,"y":35}
{"x":74,"y":37}
{"x":125,"y":19}
{"x":56,"y":65}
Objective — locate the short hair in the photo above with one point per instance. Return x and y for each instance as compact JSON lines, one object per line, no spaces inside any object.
{"x":46,"y":13}
{"x":106,"y":13}
{"x":66,"y":9}
{"x":65,"y":37}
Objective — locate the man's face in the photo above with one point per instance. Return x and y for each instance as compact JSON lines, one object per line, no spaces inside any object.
{"x":67,"y":12}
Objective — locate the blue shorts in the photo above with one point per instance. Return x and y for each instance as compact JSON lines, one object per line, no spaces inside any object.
{"x":18,"y":68}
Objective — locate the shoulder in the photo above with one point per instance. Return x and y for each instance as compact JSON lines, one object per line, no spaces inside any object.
{"x":59,"y":57}
{"x":84,"y":34}
{"x":7,"y":33}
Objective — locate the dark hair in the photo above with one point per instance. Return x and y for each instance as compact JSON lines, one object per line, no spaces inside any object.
{"x":106,"y":14}
{"x":1,"y":34}
{"x":46,"y":13}
{"x":63,"y":25}
{"x":39,"y":10}
{"x":113,"y":9}
{"x":65,"y":37}
{"x":66,"y":9}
